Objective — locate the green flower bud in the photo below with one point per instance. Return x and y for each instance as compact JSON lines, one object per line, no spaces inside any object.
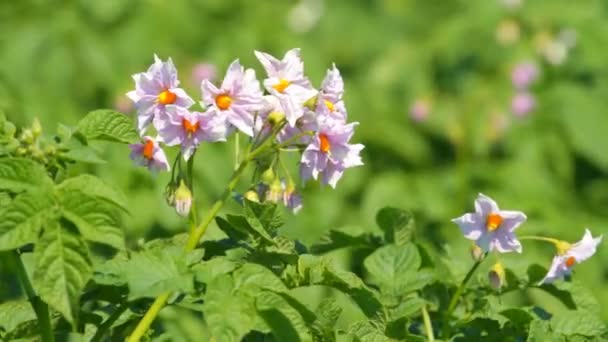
{"x":36,"y":128}
{"x":252,"y":196}
{"x":311,"y":103}
{"x":27,"y":136}
{"x":276,"y":118}
{"x":268,"y":176}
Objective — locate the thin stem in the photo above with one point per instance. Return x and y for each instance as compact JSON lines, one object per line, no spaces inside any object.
{"x":193,"y":211}
{"x":103,"y":328}
{"x":428,"y":327}
{"x":458,"y":293}
{"x":40,"y":307}
{"x":149,"y":317}
{"x":285,"y":170}
{"x":237,"y":151}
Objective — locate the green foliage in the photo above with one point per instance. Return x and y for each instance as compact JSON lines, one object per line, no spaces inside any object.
{"x":108,"y":125}
{"x":63,"y":268}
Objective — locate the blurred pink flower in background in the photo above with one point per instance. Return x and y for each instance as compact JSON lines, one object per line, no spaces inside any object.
{"x":522,"y":104}
{"x":203,"y":71}
{"x":524,"y":74}
{"x":123,"y":104}
{"x":420,"y":110}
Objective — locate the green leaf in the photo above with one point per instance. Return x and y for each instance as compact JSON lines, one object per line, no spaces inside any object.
{"x":578,"y":322}
{"x":395,"y":269}
{"x":229,"y":314}
{"x":206,"y":271}
{"x":152,"y":272}
{"x":397,"y":225}
{"x":540,"y":331}
{"x":22,"y":218}
{"x":264,"y":217}
{"x":368,"y":331}
{"x":252,"y":278}
{"x":317,"y":271}
{"x":108,"y":125}
{"x":335,"y":239}
{"x":17,"y":319}
{"x":62,"y":268}
{"x":242,"y":224}
{"x":94,"y":187}
{"x":406,"y":307}
{"x":21,"y":174}
{"x":328,"y":312}
{"x":84,"y":154}
{"x":97,"y":219}
{"x":284,"y":321}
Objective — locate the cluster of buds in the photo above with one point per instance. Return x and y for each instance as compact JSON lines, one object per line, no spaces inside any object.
{"x":290,"y":116}
{"x":493,"y":229}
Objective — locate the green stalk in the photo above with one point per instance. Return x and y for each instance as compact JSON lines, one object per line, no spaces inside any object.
{"x":458,"y":293}
{"x":40,"y":307}
{"x":428,"y":327}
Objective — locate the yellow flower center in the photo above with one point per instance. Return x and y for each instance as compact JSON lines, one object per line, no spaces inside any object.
{"x":324,"y":143}
{"x":148,"y":149}
{"x":166,"y":97}
{"x":282,"y":85}
{"x":223,"y":101}
{"x":493,"y":221}
{"x":570,"y":261}
{"x":329,"y":105}
{"x":189,"y":127}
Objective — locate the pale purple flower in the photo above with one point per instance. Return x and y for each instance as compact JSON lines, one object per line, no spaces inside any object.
{"x":154,"y":90}
{"x":287,"y":82}
{"x":563,"y":263}
{"x":308,"y":122}
{"x":149,"y":154}
{"x":291,"y":199}
{"x":237,"y":99}
{"x":522,"y":104}
{"x":524,"y":74}
{"x":329,"y":152}
{"x":203,"y":71}
{"x":329,"y":101}
{"x":189,"y":129}
{"x":420,"y":110}
{"x":490,"y":227}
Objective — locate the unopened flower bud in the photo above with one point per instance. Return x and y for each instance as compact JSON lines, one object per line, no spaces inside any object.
{"x":183,"y":199}
{"x":496,"y":276}
{"x":27,"y":136}
{"x":268,"y":176}
{"x":252,"y":196}
{"x":275,"y":192}
{"x":36,"y":128}
{"x":476,"y":252}
{"x":50,"y":150}
{"x":311,"y":103}
{"x":21,"y":151}
{"x":291,"y":199}
{"x":276,"y":118}
{"x":170,"y":193}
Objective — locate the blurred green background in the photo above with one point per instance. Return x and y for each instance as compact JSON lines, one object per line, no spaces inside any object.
{"x":428,"y":80}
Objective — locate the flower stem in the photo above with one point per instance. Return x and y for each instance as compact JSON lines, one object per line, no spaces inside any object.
{"x":295,"y":138}
{"x":197,"y":233}
{"x":458,"y":293}
{"x":428,"y":327}
{"x":40,"y":307}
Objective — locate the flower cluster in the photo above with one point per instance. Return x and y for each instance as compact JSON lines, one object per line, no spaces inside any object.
{"x":493,"y":229}
{"x":292,"y":116}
